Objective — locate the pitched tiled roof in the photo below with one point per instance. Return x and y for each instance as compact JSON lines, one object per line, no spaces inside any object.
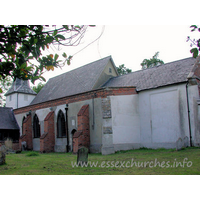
{"x":7,"y":119}
{"x":166,"y":74}
{"x":20,"y":86}
{"x":73,"y":82}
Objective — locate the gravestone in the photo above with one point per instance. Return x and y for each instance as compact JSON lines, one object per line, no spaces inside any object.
{"x":8,"y":146}
{"x":82,"y":156}
{"x":179,"y":144}
{"x":2,"y":158}
{"x":3,"y":148}
{"x":23,"y":145}
{"x":8,"y":143}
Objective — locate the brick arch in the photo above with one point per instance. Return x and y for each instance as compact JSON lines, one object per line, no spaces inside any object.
{"x":81,"y":138}
{"x":47,"y":140}
{"x":27,"y":133}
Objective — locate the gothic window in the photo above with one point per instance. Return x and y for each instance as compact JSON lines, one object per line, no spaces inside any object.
{"x":61,"y":130}
{"x":36,"y":127}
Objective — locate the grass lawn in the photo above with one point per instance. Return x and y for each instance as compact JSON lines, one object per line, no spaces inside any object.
{"x":141,"y":161}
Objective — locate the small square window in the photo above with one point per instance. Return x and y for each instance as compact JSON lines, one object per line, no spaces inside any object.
{"x":10,"y":98}
{"x":110,"y":70}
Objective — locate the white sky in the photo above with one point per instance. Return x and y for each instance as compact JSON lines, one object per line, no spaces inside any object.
{"x":129,"y":45}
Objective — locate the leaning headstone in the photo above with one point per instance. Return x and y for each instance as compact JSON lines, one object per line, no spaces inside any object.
{"x":82,"y":156}
{"x":186,"y":141}
{"x":2,"y":158}
{"x":8,"y":143}
{"x":179,"y":144}
{"x":3,"y":148}
{"x":23,"y":145}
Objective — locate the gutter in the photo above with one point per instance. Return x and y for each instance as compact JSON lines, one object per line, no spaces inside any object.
{"x":188,"y":108}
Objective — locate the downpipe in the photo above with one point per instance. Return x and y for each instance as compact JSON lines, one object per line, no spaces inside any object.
{"x":188,"y":108}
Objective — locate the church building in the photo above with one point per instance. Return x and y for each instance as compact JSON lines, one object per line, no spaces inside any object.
{"x":93,"y":106}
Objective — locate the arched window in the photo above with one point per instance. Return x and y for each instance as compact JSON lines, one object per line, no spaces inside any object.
{"x":61,"y":130}
{"x":36,"y":126}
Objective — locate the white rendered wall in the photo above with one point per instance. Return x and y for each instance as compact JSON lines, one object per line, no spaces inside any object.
{"x":163,"y":116}
{"x":18,"y":100}
{"x":125,"y":121}
{"x":25,"y":99}
{"x":11,"y":101}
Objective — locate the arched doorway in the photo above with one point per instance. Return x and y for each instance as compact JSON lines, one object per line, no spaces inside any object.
{"x":72,"y":133}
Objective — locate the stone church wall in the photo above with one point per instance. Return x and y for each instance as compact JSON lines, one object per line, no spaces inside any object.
{"x":95,"y":101}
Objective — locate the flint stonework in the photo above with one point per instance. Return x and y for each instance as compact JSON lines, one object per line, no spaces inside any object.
{"x":106,"y":108}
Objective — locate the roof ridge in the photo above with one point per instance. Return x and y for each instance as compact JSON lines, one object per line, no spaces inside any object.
{"x":150,"y":68}
{"x":172,"y":72}
{"x":80,"y":67}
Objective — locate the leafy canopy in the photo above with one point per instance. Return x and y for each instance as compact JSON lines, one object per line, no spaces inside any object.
{"x":38,"y":87}
{"x":123,"y":70}
{"x":20,"y":45}
{"x":152,"y":62}
{"x":194,"y":42}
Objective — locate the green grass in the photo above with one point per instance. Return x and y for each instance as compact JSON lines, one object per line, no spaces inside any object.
{"x":34,"y":163}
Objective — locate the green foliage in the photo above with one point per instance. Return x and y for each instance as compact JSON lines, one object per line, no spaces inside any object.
{"x":152,"y":62}
{"x":123,"y":70}
{"x":4,"y":85}
{"x":38,"y":87}
{"x":20,"y":44}
{"x":194,"y":42}
{"x":32,"y":153}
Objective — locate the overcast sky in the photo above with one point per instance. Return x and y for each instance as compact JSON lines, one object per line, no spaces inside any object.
{"x":129,"y":45}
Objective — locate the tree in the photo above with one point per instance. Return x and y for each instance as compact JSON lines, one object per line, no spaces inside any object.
{"x":38,"y":87}
{"x":123,"y":70}
{"x":4,"y":86}
{"x":21,"y":45}
{"x":152,"y":62}
{"x":194,"y":42}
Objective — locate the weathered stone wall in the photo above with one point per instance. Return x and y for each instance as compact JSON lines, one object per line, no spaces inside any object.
{"x":93,"y":98}
{"x":107,"y":132}
{"x":106,"y":108}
